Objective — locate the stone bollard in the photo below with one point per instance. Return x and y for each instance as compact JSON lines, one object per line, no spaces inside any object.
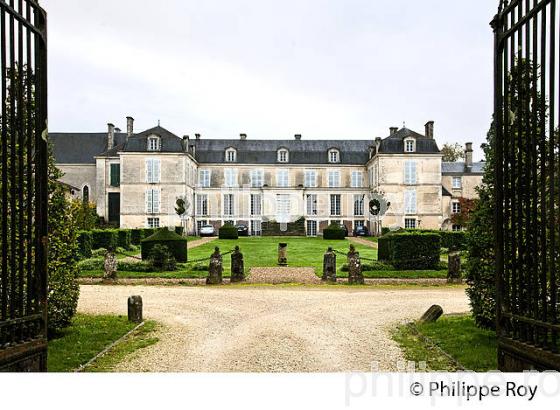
{"x":135,"y":309}
{"x":110,"y":266}
{"x":454,"y":268}
{"x":329,"y":266}
{"x":355,"y":275}
{"x":237,"y":266}
{"x":215,"y":269}
{"x":282,"y":254}
{"x":432,"y":314}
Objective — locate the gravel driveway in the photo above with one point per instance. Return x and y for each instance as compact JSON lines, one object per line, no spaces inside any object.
{"x":263,"y":329}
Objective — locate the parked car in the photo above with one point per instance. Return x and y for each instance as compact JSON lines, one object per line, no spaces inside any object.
{"x":207,"y":230}
{"x":361,"y":231}
{"x":242,"y":230}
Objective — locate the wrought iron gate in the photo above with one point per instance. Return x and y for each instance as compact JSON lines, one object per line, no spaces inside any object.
{"x":23,"y":186}
{"x":527,"y":184}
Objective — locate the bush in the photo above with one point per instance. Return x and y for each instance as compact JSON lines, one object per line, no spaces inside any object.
{"x":410,"y":250}
{"x":104,"y":238}
{"x":334,"y":231}
{"x":124,"y":238}
{"x":99,"y":253}
{"x":177,"y":245}
{"x":385,"y":230}
{"x":136,"y":236}
{"x":161,"y":258}
{"x":372,"y":266}
{"x":85,"y":241}
{"x":139,"y":266}
{"x":149,"y":232}
{"x":228,"y":231}
{"x":453,"y":240}
{"x":179,"y":230}
{"x":91,"y":264}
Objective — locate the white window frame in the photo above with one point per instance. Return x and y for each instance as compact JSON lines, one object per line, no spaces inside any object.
{"x":256,"y":228}
{"x":409,"y":145}
{"x":335,"y":205}
{"x":357,"y":179}
{"x":154,"y":143}
{"x":457,"y":182}
{"x":334,"y":156}
{"x":202,"y":205}
{"x":410,"y":223}
{"x":410,"y":202}
{"x":231,"y":155}
{"x":230,"y":177}
{"x":310,"y":178}
{"x":153,"y":170}
{"x":334,"y":179}
{"x":153,"y":201}
{"x":283,"y":155}
{"x":359,"y":205}
{"x":311,"y":204}
{"x":257,"y":178}
{"x":256,"y":205}
{"x":229,"y":205}
{"x":152,"y":222}
{"x":410,"y":173}
{"x":312,"y":228}
{"x":283,"y":178}
{"x":455,"y":207}
{"x":204,"y":178}
{"x":283,"y":205}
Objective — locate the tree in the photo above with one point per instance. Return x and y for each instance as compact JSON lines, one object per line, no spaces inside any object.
{"x":466,"y":207}
{"x":452,"y":152}
{"x":84,"y":214}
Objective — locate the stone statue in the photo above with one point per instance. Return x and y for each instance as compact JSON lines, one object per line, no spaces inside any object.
{"x":215,"y":269}
{"x":110,"y":266}
{"x":237,"y":266}
{"x":329,"y":266}
{"x":355,"y":275}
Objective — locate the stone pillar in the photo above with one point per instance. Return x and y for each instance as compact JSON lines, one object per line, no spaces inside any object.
{"x":135,"y":309}
{"x":215,"y":269}
{"x":355,"y":275}
{"x":110,"y":266}
{"x":282,"y":254}
{"x":432,"y":314}
{"x":237,"y":266}
{"x":454,"y":268}
{"x":329,"y":266}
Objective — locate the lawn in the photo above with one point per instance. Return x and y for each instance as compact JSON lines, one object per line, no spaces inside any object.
{"x":87,"y":336}
{"x":475,"y":349}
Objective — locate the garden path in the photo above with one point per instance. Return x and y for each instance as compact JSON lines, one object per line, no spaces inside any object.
{"x":362,"y":241}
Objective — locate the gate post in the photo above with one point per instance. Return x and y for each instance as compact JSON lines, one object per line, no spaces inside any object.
{"x":355,"y":275}
{"x":329,"y":266}
{"x":215,"y":269}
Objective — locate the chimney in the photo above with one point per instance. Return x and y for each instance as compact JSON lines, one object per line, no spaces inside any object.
{"x":117,"y":131}
{"x":129,"y":126}
{"x":243,"y":137}
{"x":197,"y":136}
{"x":468,"y":155}
{"x":430,"y":129}
{"x":393,"y":130}
{"x":185,"y":143}
{"x":297,"y":137}
{"x":110,"y":136}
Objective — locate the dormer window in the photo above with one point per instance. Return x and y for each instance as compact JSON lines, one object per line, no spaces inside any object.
{"x":283,"y":155}
{"x":409,"y":145}
{"x":154,"y":143}
{"x":231,"y":155}
{"x":334,"y":156}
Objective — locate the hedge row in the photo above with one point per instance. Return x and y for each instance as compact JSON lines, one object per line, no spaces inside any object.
{"x":228,"y":231}
{"x":334,"y":231}
{"x":452,"y":240}
{"x":410,"y":250}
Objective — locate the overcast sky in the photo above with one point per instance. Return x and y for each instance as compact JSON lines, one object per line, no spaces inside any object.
{"x":347,"y":69}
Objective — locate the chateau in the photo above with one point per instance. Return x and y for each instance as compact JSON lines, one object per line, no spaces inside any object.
{"x":135,"y":179}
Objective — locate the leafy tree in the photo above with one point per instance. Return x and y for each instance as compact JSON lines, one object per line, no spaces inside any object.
{"x":466,"y":206}
{"x":452,"y":152}
{"x":84,"y":214}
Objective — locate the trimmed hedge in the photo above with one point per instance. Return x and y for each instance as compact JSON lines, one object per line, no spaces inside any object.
{"x":85,"y":241}
{"x":176,"y":244}
{"x":334,"y":231}
{"x":136,"y":236}
{"x":179,"y":230}
{"x":385,"y":230}
{"x":228,"y":231}
{"x":454,"y":240}
{"x":104,"y":238}
{"x":124,"y":238}
{"x":149,"y":232}
{"x":410,"y":250}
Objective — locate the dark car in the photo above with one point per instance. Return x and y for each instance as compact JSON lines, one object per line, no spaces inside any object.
{"x":242,"y":230}
{"x":361,"y":231}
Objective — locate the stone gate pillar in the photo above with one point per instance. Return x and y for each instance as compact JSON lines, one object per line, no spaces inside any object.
{"x":282,"y":254}
{"x":237,"y":266}
{"x":355,"y":275}
{"x":454,"y":267}
{"x":329,"y":266}
{"x":215,"y":269}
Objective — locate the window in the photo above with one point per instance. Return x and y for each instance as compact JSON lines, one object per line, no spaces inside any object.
{"x":115,"y":175}
{"x":456,"y":207}
{"x":282,"y":178}
{"x":231,"y":155}
{"x":153,"y":222}
{"x":283,"y":155}
{"x":228,"y":204}
{"x":410,"y":202}
{"x":201,"y":204}
{"x":283,"y":205}
{"x":256,"y":228}
{"x":410,"y":172}
{"x":311,"y":228}
{"x":334,"y":156}
{"x":257,"y":178}
{"x":358,"y":205}
{"x":199,"y":225}
{"x":358,"y":224}
{"x":457,"y":228}
{"x":154,"y":143}
{"x":357,"y":179}
{"x":409,"y":146}
{"x":204,"y":178}
{"x":152,"y":171}
{"x":229,"y":222}
{"x":85,"y":194}
{"x":230,"y":177}
{"x":310,"y":179}
{"x":311,"y":204}
{"x":457,"y":183}
{"x":334,"y":179}
{"x":335,"y":205}
{"x":256,"y":205}
{"x":152,"y":201}
{"x":410,"y":223}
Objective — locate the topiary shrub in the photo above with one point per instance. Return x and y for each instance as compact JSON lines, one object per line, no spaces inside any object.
{"x":179,"y":230}
{"x":124,"y":238}
{"x":334,"y":231}
{"x":148,"y":232}
{"x":176,"y":244}
{"x":385,"y":230}
{"x":454,"y":240}
{"x":85,"y":241}
{"x":136,"y":236}
{"x":160,"y":258}
{"x":228,"y":231}
{"x":104,"y":238}
{"x":410,"y":250}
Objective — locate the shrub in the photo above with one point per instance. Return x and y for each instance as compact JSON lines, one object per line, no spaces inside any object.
{"x":99,"y":253}
{"x":136,"y":236}
{"x":139,"y":266}
{"x":385,"y":230}
{"x":85,"y":241}
{"x":148,"y":232}
{"x":91,"y":264}
{"x":104,"y":238}
{"x":453,"y":240}
{"x":124,"y":238}
{"x":161,"y":258}
{"x":410,"y":250}
{"x":334,"y":231}
{"x":200,"y":268}
{"x":179,"y":230}
{"x":372,"y":266}
{"x":228,"y":231}
{"x":177,"y":245}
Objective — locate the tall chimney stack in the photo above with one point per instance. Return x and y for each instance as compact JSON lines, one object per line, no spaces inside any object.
{"x":242,"y":137}
{"x":110,"y":136}
{"x":197,"y":136}
{"x":430,"y":129}
{"x":297,"y":137}
{"x":393,"y":130}
{"x":129,"y":126}
{"x":468,"y":155}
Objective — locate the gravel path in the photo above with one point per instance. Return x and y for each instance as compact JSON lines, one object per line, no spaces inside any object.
{"x":275,"y":275}
{"x":263,"y":329}
{"x":362,"y":241}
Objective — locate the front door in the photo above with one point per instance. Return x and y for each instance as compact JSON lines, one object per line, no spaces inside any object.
{"x":115,"y":208}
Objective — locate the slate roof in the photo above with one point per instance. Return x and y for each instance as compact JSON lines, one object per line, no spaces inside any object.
{"x":139,"y":142}
{"x":451,"y":168}
{"x":394,"y":144}
{"x":80,"y":148}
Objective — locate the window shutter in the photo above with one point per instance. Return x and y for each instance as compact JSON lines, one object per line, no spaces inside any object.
{"x":148,"y":201}
{"x":149,"y":171}
{"x":156,"y":201}
{"x":157,"y":173}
